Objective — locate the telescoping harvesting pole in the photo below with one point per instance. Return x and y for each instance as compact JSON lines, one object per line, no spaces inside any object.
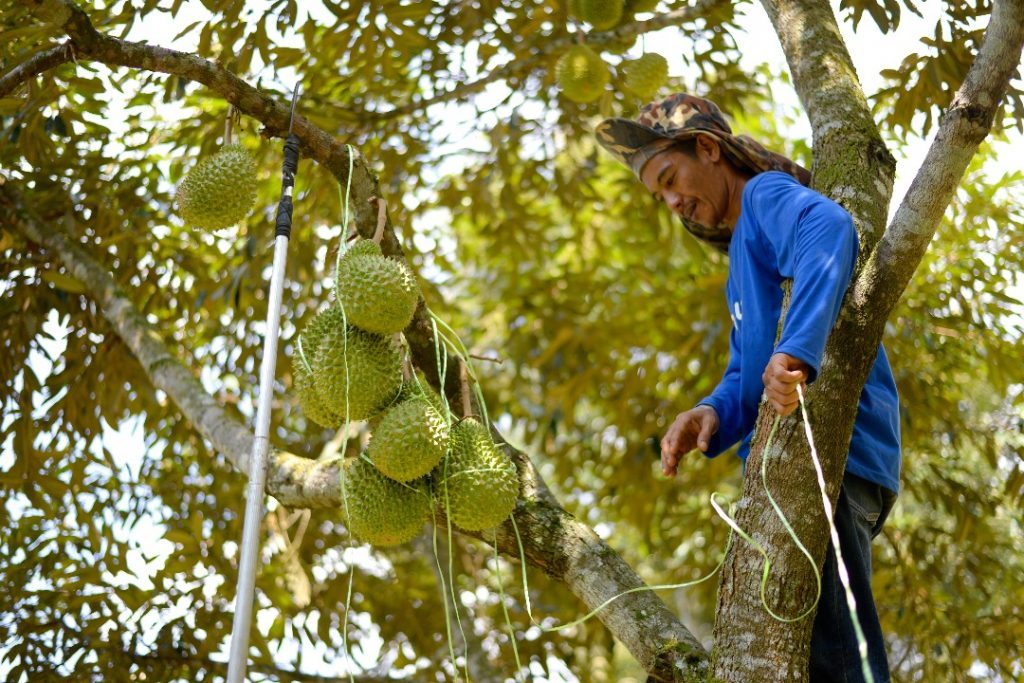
{"x":246,"y":588}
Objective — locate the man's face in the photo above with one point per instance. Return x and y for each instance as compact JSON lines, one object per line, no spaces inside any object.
{"x":694,"y":188}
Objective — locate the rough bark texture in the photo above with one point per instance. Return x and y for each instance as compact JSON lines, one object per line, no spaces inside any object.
{"x":852,"y":167}
{"x":38,"y":63}
{"x":851,"y":163}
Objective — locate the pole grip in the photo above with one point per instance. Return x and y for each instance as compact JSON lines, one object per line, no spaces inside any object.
{"x":283,"y":223}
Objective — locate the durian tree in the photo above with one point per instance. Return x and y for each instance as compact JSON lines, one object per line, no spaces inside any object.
{"x":594,"y":319}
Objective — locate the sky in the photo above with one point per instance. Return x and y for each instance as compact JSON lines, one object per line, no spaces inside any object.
{"x":871,"y":52}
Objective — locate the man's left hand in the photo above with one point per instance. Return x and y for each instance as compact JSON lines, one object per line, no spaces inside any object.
{"x":781,"y":377}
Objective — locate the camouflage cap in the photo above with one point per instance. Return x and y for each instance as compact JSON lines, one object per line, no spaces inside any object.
{"x":682,"y":116}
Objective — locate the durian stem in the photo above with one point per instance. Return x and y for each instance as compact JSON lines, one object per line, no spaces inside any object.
{"x":467,"y":402}
{"x":489,"y":359}
{"x":382,"y":218}
{"x":228,"y":122}
{"x":406,"y":358}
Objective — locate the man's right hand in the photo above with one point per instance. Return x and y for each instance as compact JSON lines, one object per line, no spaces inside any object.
{"x":692,"y":429}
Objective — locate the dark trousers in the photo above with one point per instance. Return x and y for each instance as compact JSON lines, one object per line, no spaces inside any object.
{"x":835,"y":657}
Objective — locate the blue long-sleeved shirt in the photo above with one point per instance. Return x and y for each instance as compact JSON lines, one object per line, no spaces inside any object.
{"x":787,"y":231}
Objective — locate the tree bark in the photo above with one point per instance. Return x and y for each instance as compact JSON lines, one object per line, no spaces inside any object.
{"x":852,"y":168}
{"x":38,"y":63}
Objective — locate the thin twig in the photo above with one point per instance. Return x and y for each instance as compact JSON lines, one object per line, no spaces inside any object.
{"x":382,"y":218}
{"x":467,"y":397}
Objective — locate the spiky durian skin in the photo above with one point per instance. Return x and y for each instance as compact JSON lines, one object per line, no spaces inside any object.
{"x":220,"y":190}
{"x":311,"y":336}
{"x":363,"y":248}
{"x":409,"y":441}
{"x":644,"y":76}
{"x":378,"y":294}
{"x":378,"y":510}
{"x":477,"y":486}
{"x":582,"y":74}
{"x":304,"y":385}
{"x":374,"y":371}
{"x":419,"y":387}
{"x":601,"y":14}
{"x":309,"y":398}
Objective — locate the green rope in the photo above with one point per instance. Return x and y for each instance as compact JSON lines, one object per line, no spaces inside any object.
{"x":302,"y":356}
{"x":504,"y":608}
{"x":442,"y":373}
{"x":345,"y":427}
{"x":592,"y":613}
{"x":844,"y":575}
{"x":792,"y":534}
{"x":444,"y":589}
{"x":735,"y":529}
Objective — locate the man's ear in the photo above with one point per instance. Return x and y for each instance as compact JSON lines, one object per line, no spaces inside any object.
{"x":708,"y":148}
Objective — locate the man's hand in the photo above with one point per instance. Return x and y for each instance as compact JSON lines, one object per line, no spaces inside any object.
{"x":781,"y":377}
{"x":690,"y":430}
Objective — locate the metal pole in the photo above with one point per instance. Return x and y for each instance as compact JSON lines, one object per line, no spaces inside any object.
{"x":242,"y":622}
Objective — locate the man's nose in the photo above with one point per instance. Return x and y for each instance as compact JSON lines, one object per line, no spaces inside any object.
{"x":674,"y":201}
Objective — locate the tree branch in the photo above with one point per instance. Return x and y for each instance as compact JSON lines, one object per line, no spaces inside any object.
{"x":38,"y":63}
{"x":851,"y":162}
{"x":963,"y":127}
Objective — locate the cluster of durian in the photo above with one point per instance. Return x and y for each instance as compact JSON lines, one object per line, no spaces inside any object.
{"x":583,"y":75}
{"x":349,"y":365}
{"x":219,"y":191}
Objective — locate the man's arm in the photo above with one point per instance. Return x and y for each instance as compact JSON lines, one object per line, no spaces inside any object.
{"x":725,"y":400}
{"x":714,"y":424}
{"x":816,"y":248}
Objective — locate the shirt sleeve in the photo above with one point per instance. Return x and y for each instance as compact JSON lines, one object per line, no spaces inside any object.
{"x":815,"y":244}
{"x":725,"y":399}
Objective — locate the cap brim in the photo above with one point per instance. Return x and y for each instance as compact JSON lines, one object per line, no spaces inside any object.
{"x":635,"y":144}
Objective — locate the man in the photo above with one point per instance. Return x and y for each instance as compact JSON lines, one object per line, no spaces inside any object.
{"x":732,"y":193}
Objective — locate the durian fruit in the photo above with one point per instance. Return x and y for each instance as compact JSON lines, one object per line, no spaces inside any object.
{"x":220,"y":190}
{"x":309,"y":397}
{"x":601,"y":14}
{"x":379,"y":294}
{"x":311,"y":336}
{"x":476,"y":484}
{"x":582,"y":74}
{"x":409,"y":441}
{"x":575,"y":9}
{"x":419,"y":387}
{"x":644,"y":76}
{"x":374,"y":370}
{"x":363,"y":248}
{"x":302,"y":369}
{"x":378,"y":510}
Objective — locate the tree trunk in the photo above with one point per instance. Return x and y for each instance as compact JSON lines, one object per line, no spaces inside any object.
{"x":851,"y":166}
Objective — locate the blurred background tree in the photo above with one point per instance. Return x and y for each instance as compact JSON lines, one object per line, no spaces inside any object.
{"x":119,"y":526}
